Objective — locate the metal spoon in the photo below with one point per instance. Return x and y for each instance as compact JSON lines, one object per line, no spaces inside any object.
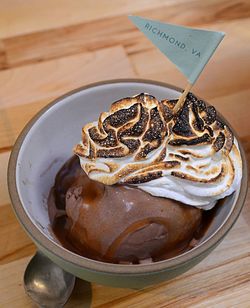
{"x":46,"y":283}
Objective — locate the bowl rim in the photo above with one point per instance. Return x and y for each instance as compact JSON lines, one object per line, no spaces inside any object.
{"x":98,"y":266}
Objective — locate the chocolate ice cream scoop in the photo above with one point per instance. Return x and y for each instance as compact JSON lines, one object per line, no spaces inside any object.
{"x":120,"y":223}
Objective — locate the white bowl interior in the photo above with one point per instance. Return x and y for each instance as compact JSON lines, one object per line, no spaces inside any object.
{"x":49,"y":144}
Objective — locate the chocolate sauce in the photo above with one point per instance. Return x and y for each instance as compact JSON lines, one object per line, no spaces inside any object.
{"x":120,"y":224}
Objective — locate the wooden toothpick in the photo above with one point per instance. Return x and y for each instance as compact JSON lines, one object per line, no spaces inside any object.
{"x":182,"y":98}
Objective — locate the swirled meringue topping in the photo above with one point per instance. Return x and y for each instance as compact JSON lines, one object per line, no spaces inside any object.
{"x":191,"y":156}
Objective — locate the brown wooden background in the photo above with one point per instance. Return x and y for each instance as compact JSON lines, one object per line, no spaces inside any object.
{"x":48,"y":47}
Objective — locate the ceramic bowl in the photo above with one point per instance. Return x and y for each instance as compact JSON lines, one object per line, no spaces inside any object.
{"x":46,"y":143}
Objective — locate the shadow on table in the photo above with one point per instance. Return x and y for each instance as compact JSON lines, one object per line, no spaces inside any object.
{"x":81,"y":295}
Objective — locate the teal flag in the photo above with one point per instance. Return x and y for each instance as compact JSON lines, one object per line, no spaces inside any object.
{"x":189,"y":49}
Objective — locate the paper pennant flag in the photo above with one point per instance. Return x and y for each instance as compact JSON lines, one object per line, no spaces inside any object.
{"x":189,"y":49}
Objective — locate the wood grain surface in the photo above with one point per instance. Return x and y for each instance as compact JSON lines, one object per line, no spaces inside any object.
{"x":48,"y":48}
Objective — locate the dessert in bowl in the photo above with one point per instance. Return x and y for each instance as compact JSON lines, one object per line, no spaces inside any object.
{"x":158,"y":179}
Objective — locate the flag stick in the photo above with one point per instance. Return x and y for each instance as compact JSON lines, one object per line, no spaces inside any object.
{"x":182,"y":98}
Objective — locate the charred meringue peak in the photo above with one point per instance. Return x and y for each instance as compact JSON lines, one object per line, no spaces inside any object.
{"x":191,"y":157}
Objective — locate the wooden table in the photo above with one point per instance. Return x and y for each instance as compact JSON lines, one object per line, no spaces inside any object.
{"x":50,"y":47}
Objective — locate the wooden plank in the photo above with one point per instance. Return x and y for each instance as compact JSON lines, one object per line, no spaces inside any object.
{"x":4,"y":195}
{"x":186,"y":291}
{"x":13,"y":247}
{"x":235,"y":29}
{"x":11,"y":285}
{"x":29,"y":16}
{"x":46,"y":81}
{"x":13,"y":120}
{"x":3,"y":59}
{"x":233,"y":107}
{"x":40,"y":81}
{"x":117,"y":30}
{"x":237,"y":297}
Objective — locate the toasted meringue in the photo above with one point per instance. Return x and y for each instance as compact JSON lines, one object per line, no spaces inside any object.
{"x":191,"y":157}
